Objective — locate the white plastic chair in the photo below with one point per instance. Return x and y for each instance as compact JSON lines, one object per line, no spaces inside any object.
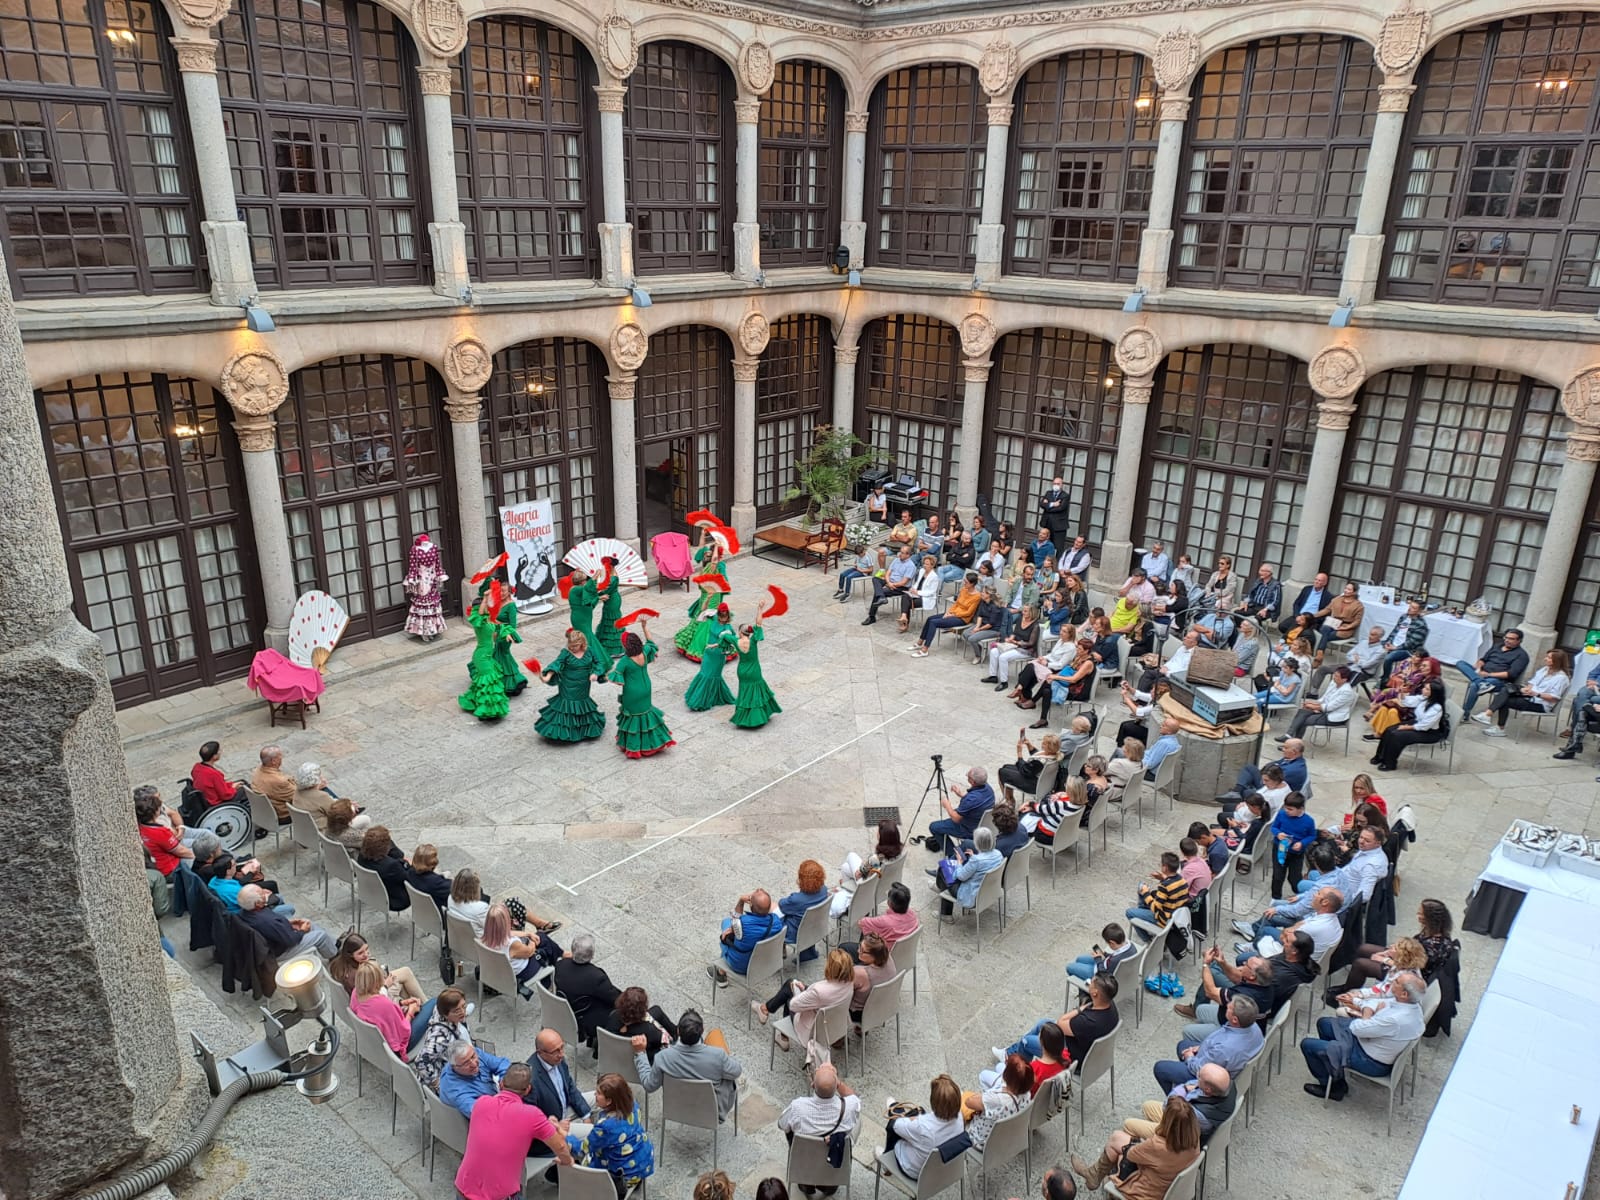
{"x":1098,"y":815}
{"x":495,"y":970}
{"x":989,"y":896}
{"x":862,"y":901}
{"x":937,"y":1177}
{"x":692,"y":1102}
{"x":585,"y":1183}
{"x":426,"y":918}
{"x":1099,"y":1061}
{"x":1066,"y":838}
{"x":1182,"y":1187}
{"x":766,"y":960}
{"x":1166,"y":776}
{"x":462,"y":938}
{"x":555,"y":1012}
{"x":833,"y":1023}
{"x":905,"y":957}
{"x":882,"y":1003}
{"x":1220,"y":1141}
{"x":1393,"y":1083}
{"x":1051,"y":1096}
{"x":808,"y":1164}
{"x":337,"y":865}
{"x":1016,"y":869}
{"x":408,"y":1094}
{"x":616,"y":1056}
{"x":370,"y":893}
{"x":445,"y":1124}
{"x":266,"y":817}
{"x":813,"y":929}
{"x":1008,"y":1139}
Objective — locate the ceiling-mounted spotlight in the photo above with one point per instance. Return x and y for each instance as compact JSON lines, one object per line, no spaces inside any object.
{"x":841,"y":259}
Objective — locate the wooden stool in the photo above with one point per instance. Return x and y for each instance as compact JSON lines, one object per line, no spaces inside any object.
{"x":291,"y":710}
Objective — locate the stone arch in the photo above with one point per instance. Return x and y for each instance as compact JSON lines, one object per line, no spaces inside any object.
{"x":832,"y":55}
{"x":572,"y":18}
{"x":966,"y":52}
{"x":1128,"y":37}
{"x":1337,"y":20}
{"x":1460,"y":16}
{"x":715,"y":36}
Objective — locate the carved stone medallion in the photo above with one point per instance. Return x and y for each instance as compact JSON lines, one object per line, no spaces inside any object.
{"x":998,"y":67}
{"x":629,"y":345}
{"x":441,"y":24}
{"x":1176,"y":59}
{"x":1581,"y":398}
{"x":618,"y":45}
{"x":255,"y":382}
{"x":977,"y":335}
{"x":1402,"y":39}
{"x":755,"y":67}
{"x":203,"y":12}
{"x":1138,"y":351}
{"x":467,"y":364}
{"x":1337,"y":372}
{"x":754,"y":333}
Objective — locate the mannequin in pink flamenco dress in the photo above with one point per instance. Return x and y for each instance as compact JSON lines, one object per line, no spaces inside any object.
{"x":424,"y":583}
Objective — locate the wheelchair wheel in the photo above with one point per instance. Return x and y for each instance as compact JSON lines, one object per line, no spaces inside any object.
{"x":231,"y":823}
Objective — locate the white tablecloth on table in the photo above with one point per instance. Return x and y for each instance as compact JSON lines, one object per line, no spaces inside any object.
{"x":1503,"y":1124}
{"x":1550,"y":878}
{"x":1450,"y":639}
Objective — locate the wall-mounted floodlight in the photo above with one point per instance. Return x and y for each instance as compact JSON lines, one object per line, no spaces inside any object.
{"x":1341,"y":315}
{"x":854,"y":278}
{"x":1134,"y":302}
{"x":841,"y":259}
{"x":256,"y":318}
{"x":641,"y":298}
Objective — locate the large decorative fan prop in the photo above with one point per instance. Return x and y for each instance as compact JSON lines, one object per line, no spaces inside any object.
{"x":590,"y":557}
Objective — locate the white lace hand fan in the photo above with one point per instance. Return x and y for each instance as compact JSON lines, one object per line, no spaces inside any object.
{"x":589,"y":557}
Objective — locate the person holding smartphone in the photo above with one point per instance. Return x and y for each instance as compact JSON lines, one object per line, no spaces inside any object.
{"x":1116,"y":949}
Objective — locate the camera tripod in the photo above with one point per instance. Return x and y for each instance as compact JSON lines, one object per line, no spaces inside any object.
{"x":936,"y":784}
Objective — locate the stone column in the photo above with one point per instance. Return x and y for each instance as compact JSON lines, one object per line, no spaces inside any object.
{"x":1363,"y":259}
{"x":1562,"y":530}
{"x":616,"y":235}
{"x":82,"y":986}
{"x":463,"y":409}
{"x":844,"y":386}
{"x":1116,"y":552}
{"x":975,"y":385}
{"x":1155,"y":245}
{"x":852,"y":197}
{"x":258,"y":451}
{"x":624,"y":456}
{"x":446,"y":233}
{"x":745,"y":369}
{"x":747,"y":176}
{"x":227,"y":243}
{"x":1322,"y":483}
{"x":991,"y":231}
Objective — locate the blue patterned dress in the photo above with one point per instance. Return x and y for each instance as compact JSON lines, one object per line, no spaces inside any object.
{"x":620,"y":1146}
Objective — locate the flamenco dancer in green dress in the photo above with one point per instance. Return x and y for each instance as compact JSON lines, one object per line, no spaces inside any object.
{"x":707,"y":690}
{"x":606,"y":631}
{"x":583,"y":594}
{"x":756,"y":704}
{"x":505,"y":633}
{"x":712,"y":576}
{"x":486,"y":697}
{"x":641,"y":726}
{"x":572,"y":715}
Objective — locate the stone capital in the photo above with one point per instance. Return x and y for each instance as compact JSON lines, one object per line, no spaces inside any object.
{"x":1395,"y":97}
{"x":1137,"y":389}
{"x":1173,"y":108}
{"x":855,"y":122}
{"x":975,"y":370}
{"x":463,"y":408}
{"x":623,"y":387}
{"x":256,"y":435}
{"x":1583,"y":444}
{"x":435,"y":81}
{"x":747,"y":110}
{"x":745,"y":370}
{"x":1000,"y":113}
{"x":1335,"y":414}
{"x":611,"y":96}
{"x":846,"y":355}
{"x":196,"y":55}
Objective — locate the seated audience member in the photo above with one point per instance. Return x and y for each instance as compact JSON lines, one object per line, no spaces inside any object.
{"x":500,"y":1136}
{"x":715,"y":1185}
{"x":528,"y":951}
{"x":914,"y":1139}
{"x":430,"y":1057}
{"x":162,"y":842}
{"x":1140,"y":705}
{"x":470,"y":902}
{"x":930,"y":537}
{"x":1216,"y":629}
{"x":1073,"y":683}
{"x":1341,"y":618}
{"x":1540,"y":694}
{"x":894,"y":584}
{"x":1033,"y":674}
{"x":422,"y":873}
{"x":1292,"y":763}
{"x":1116,"y":950}
{"x":962,"y":875}
{"x":1434,"y":926}
{"x":1368,"y":1039}
{"x":271,"y":782}
{"x":1262,"y":601}
{"x":554,"y":1092}
{"x":1406,"y":954}
{"x":1078,"y":734}
{"x":618,"y":1142}
{"x":1244,"y":823}
{"x":922,"y":593}
{"x":873,"y":965}
{"x":1076,"y":559}
{"x":1426,"y":723}
{"x":896,"y":922}
{"x":1019,"y":594}
{"x":224,"y":875}
{"x":1332,"y":708}
{"x":1212,"y":844}
{"x":1040,"y":819}
{"x":1408,"y":679}
{"x":1166,"y":744}
{"x":958,"y":615}
{"x":1177,"y":667}
{"x":633,"y":1016}
{"x":1246,"y":649}
{"x":210,"y":781}
{"x":961,"y":821}
{"x":1080,"y":1028}
{"x":400,"y":1022}
{"x":831,"y":1107}
{"x":1280,"y":915}
{"x":1159,"y":902}
{"x":1041,"y":548}
{"x":804,"y":1002}
{"x":1019,"y":648}
{"x":1221,"y":983}
{"x":379,"y":853}
{"x":314,"y":796}
{"x":1211,"y":1093}
{"x":1321,"y":925}
{"x":811,"y":890}
{"x":585,"y":986}
{"x":283,"y":935}
{"x":1004,"y":1096}
{"x":1285,"y":689}
{"x":863,"y":567}
{"x":1009,"y":836}
{"x":960,"y":559}
{"x":695,"y":1054}
{"x":1230,"y":1046}
{"x":1126,"y":765}
{"x":753,"y":921}
{"x":1170,"y":607}
{"x":1156,"y":1163}
{"x":1497,"y":671}
{"x":1031,"y":762}
{"x":1194,"y":868}
{"x":343,"y":825}
{"x":904,"y":532}
{"x":987,"y":621}
{"x":1363,"y":660}
{"x":1096,"y":784}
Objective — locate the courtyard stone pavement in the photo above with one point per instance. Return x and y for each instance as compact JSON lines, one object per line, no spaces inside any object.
{"x":649,"y":855}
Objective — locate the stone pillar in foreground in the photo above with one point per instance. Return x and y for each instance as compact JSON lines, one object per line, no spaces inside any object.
{"x":1363,"y":256}
{"x":467,"y":451}
{"x":747,"y":190}
{"x":624,"y":457}
{"x":991,"y":229}
{"x":745,"y":371}
{"x":1155,"y":243}
{"x":89,"y":1057}
{"x":1563,"y":529}
{"x":1336,"y":375}
{"x":1116,"y":552}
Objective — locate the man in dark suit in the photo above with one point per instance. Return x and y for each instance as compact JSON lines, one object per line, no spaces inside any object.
{"x":1316,"y":598}
{"x":585,"y":986}
{"x":554,"y":1092}
{"x":1053,"y":511}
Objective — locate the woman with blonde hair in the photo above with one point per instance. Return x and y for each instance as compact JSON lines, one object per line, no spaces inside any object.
{"x":470,"y":902}
{"x":527,"y":950}
{"x":1152,"y":1163}
{"x":804,"y":1001}
{"x":400,"y":1023}
{"x":1041,"y":819}
{"x":1122,"y":771}
{"x":1031,"y":761}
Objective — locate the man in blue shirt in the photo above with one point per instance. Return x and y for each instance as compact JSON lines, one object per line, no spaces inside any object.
{"x":1164,"y":745}
{"x":1314,"y":599}
{"x":981,"y":537}
{"x":1216,"y":630}
{"x":1230,"y":1047}
{"x":1212,"y":842}
{"x":901,"y":574}
{"x":1293,"y":765}
{"x":1041,"y":548}
{"x":1157,"y":566}
{"x":1578,"y":718}
{"x":1265,"y":598}
{"x":473,"y":1074}
{"x":962,"y":820}
{"x":753,"y":921}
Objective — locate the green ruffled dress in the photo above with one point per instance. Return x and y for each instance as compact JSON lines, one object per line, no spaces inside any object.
{"x":641,"y":726}
{"x":691,"y":639}
{"x":605,"y":630}
{"x":583,"y":597}
{"x":756,"y":704}
{"x":707,"y":689}
{"x":571,"y":715}
{"x":505,"y":633}
{"x":486,"y":697}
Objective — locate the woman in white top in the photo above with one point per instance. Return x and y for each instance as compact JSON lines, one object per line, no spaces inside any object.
{"x":470,"y":902}
{"x":1187,"y":572}
{"x":1006,"y":1092}
{"x":923,"y":593}
{"x":1426,"y":724}
{"x":913,"y":1139}
{"x":1540,"y":694}
{"x":1222,"y":590}
{"x":1122,"y":770}
{"x":528,"y":952}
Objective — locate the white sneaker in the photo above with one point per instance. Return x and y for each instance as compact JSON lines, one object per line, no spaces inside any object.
{"x":1482,"y":718}
{"x":998,"y":1052}
{"x":1494,"y":731}
{"x":919,"y":652}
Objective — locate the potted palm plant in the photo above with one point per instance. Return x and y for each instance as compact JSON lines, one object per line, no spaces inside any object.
{"x":826,"y":475}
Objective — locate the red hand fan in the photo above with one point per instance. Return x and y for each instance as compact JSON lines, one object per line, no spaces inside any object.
{"x":533,"y":665}
{"x":727,"y":538}
{"x":489,"y":568}
{"x":780,"y":602}
{"x":715,"y":582}
{"x":624,"y":622}
{"x":703,"y":517}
